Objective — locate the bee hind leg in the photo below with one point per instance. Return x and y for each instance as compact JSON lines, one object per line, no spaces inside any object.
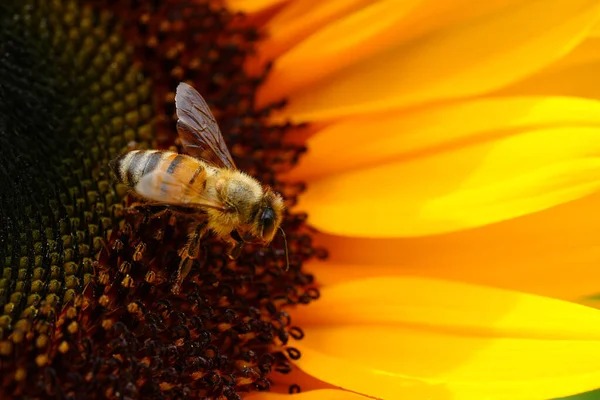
{"x":153,"y":211}
{"x":150,"y":211}
{"x":188,"y":253}
{"x":135,"y":208}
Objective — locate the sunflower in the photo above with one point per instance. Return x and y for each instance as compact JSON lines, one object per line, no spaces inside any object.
{"x":442,"y":168}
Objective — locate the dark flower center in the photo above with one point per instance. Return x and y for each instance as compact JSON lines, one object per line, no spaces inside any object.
{"x":85,"y":287}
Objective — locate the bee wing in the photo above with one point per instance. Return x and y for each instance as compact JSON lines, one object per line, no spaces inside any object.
{"x":198,"y":129}
{"x":162,"y":187}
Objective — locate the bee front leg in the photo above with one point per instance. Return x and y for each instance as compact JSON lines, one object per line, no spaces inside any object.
{"x":236,"y":250}
{"x":189,"y":253}
{"x":237,"y":244}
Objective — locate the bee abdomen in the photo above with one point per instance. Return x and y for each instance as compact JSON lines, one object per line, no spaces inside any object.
{"x":130,"y":167}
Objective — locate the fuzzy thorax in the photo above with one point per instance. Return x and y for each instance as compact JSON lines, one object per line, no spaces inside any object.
{"x":250,"y":208}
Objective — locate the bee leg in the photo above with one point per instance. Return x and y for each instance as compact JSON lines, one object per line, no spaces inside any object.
{"x":237,"y":245}
{"x":154,"y":211}
{"x":236,"y":251}
{"x":135,"y":208}
{"x":188,"y":254}
{"x":151,"y":211}
{"x":158,"y":214}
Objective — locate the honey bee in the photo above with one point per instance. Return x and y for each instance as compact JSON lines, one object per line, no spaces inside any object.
{"x":204,"y":184}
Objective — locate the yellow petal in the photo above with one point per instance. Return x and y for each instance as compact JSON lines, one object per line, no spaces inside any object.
{"x":467,"y":59}
{"x":575,"y":75}
{"x":461,"y":340}
{"x":352,"y":32}
{"x":301,"y":19}
{"x":374,"y":139}
{"x":251,"y":6}
{"x":461,"y":308}
{"x":554,"y":253}
{"x":324,"y":394}
{"x":585,"y":53}
{"x":281,"y":383}
{"x":595,"y":31}
{"x":462,"y":187}
{"x":340,"y":43}
{"x":476,"y":364}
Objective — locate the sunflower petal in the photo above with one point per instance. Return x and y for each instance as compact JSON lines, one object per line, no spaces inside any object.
{"x":251,"y":6}
{"x":375,"y":139}
{"x":554,"y":253}
{"x":281,"y":383}
{"x":461,"y":60}
{"x":389,"y":334}
{"x":450,"y":306}
{"x":575,"y":75}
{"x":340,"y":43}
{"x":300,"y":19}
{"x":331,"y":35}
{"x":462,"y":187}
{"x":323,"y":394}
{"x":449,"y":367}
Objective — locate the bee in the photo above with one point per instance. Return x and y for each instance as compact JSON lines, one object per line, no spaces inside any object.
{"x":204,"y":184}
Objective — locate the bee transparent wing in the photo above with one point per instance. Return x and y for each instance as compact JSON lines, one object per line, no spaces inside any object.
{"x":198,"y":129}
{"x":162,"y":187}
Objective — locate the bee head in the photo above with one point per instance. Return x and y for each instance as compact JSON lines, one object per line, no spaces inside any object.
{"x":269,"y":216}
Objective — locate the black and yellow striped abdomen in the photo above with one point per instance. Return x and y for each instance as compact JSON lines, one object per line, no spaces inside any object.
{"x":162,"y":176}
{"x":128,"y":168}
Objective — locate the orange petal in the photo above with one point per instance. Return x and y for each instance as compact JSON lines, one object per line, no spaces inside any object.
{"x":251,"y":6}
{"x":300,"y":19}
{"x":353,"y":32}
{"x":463,"y":186}
{"x":595,"y":31}
{"x":584,"y":53}
{"x":405,"y":136}
{"x":457,"y":307}
{"x":340,"y":43}
{"x":467,"y":59}
{"x":575,"y":75}
{"x":281,"y":383}
{"x":554,"y":253}
{"x":475,"y":364}
{"x":324,"y":394}
{"x":382,"y":335}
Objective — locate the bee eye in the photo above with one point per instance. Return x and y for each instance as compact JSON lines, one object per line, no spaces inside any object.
{"x":267,"y":221}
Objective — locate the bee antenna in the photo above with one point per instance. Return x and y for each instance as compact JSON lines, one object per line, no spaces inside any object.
{"x":287,"y":253}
